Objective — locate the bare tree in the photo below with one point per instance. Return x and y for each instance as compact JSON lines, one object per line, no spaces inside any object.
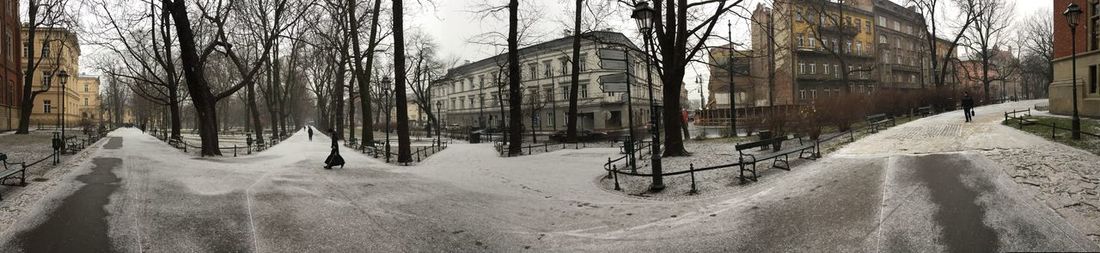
{"x":275,"y":20}
{"x":40,"y":13}
{"x":1037,"y":33}
{"x":988,"y":31}
{"x":970,"y":11}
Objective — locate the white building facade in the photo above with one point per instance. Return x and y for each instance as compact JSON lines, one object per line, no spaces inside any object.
{"x":475,"y":95}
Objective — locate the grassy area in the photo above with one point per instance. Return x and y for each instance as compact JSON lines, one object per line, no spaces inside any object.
{"x":1042,"y":128}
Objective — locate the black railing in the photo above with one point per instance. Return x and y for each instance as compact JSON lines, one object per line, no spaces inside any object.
{"x":236,"y":149}
{"x":1022,"y":121}
{"x":613,"y":165}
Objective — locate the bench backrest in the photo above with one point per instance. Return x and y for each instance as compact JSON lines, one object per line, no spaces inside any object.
{"x":876,"y":117}
{"x":3,"y":157}
{"x":925,"y":108}
{"x":761,"y":143}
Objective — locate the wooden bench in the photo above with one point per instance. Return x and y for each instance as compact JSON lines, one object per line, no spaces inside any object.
{"x":780,"y":159}
{"x":878,"y":120}
{"x":12,"y":173}
{"x":924,"y":110}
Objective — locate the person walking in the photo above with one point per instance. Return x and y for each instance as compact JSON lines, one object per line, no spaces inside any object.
{"x":334,"y":158}
{"x":968,"y":106}
{"x":310,"y":132}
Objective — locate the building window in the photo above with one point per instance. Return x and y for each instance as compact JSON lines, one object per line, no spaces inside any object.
{"x":534,"y":71}
{"x":813,"y":68}
{"x":564,"y":66}
{"x":46,"y":106}
{"x":882,"y":20}
{"x":565,"y":92}
{"x":1092,"y":78}
{"x":859,"y":48}
{"x":85,"y":101}
{"x":45,"y":49}
{"x":1094,"y":25}
{"x":46,"y":79}
{"x":825,"y":67}
{"x":26,"y":49}
{"x":836,"y":70}
{"x":584,"y":62}
{"x":801,"y":38}
{"x":802,"y":94}
{"x":801,"y":68}
{"x":547,"y":70}
{"x":584,"y":91}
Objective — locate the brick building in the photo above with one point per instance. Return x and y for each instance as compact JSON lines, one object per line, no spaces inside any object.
{"x":1088,"y":60}
{"x":11,"y":75}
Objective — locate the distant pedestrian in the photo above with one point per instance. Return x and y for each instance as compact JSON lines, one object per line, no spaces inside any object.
{"x":334,"y":158}
{"x":310,"y":131}
{"x":968,"y":106}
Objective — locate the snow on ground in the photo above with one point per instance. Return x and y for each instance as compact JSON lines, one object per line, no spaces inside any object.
{"x":41,"y":178}
{"x":468,"y":199}
{"x":1062,"y":177}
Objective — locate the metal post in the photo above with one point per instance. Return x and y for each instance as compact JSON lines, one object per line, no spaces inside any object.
{"x":630,"y":114}
{"x":691,"y":170}
{"x":733,"y":107}
{"x":1076,"y":126}
{"x":655,"y":163}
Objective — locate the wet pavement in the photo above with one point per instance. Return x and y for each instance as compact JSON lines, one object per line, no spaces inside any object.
{"x":79,"y":223}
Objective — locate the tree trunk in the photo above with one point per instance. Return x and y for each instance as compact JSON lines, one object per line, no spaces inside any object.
{"x":571,"y":116}
{"x":404,"y":153}
{"x":174,"y":111}
{"x":515,"y":96}
{"x":203,"y":100}
{"x":363,"y":73}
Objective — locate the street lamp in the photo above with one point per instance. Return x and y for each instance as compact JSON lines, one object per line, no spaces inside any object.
{"x":438,"y":129}
{"x":1072,"y":13}
{"x":643,"y":16}
{"x":386,"y":96}
{"x":64,"y":76}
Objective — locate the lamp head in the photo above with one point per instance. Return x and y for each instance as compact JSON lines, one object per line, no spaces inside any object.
{"x":64,"y":76}
{"x":643,"y":16}
{"x":1072,"y":13}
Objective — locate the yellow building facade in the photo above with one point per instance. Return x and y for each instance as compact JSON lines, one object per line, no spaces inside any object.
{"x":56,"y":51}
{"x":88,"y":90}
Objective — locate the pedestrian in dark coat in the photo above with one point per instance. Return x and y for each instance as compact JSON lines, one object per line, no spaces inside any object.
{"x":310,"y":131}
{"x":334,"y":158}
{"x":968,"y":106}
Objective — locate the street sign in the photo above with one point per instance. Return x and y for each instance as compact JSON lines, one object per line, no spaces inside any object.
{"x":613,"y":82}
{"x":613,"y":64}
{"x":614,"y":87}
{"x":612,"y":54}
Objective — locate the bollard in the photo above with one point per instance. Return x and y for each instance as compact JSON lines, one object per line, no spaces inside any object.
{"x":691,"y":170}
{"x":607,"y":166}
{"x":616,"y":176}
{"x":234,"y":150}
{"x":1053,"y":126}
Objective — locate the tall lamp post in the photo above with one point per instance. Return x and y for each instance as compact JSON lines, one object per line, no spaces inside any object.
{"x":643,"y":16}
{"x":386,"y":96}
{"x":733,"y":108}
{"x":64,"y":79}
{"x":1072,"y":13}
{"x":438,"y":117}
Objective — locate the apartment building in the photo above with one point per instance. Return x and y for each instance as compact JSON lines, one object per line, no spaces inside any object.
{"x":58,"y":50}
{"x":475,"y":94}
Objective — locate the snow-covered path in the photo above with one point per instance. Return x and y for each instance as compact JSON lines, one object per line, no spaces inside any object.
{"x":139,"y":194}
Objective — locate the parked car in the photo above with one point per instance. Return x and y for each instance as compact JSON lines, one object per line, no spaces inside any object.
{"x":583,"y":135}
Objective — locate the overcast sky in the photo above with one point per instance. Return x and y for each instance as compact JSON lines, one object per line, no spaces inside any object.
{"x":452,"y":24}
